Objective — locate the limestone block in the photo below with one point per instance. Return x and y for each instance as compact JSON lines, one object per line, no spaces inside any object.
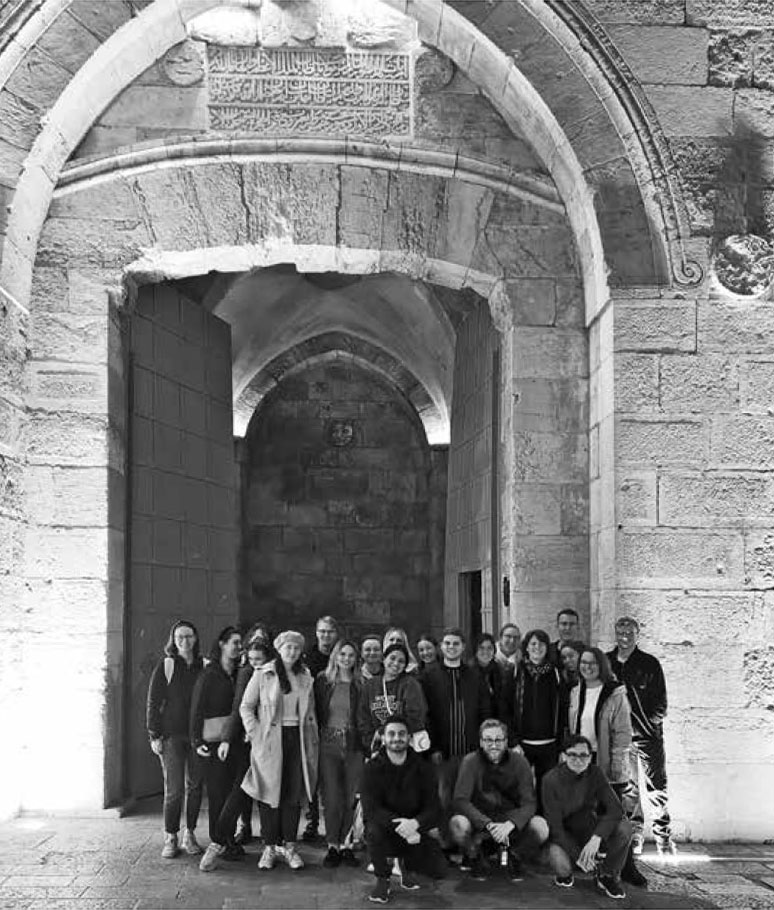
{"x":734,"y":13}
{"x":713,"y":500}
{"x":575,"y":510}
{"x":166,"y":107}
{"x":533,"y":300}
{"x":71,"y":338}
{"x":730,"y":328}
{"x":737,"y":617}
{"x":756,"y":110}
{"x":759,"y":677}
{"x":532,"y":252}
{"x":68,"y":42}
{"x":757,"y":386}
{"x":663,"y":54}
{"x":109,"y":201}
{"x":731,"y":58}
{"x":636,"y":498}
{"x":218,"y":192}
{"x":363,"y":200}
{"x":743,"y":442}
{"x":100,"y":18}
{"x":12,"y":487}
{"x":21,"y":121}
{"x":655,"y":326}
{"x":549,"y":354}
{"x":759,"y":559}
{"x":54,"y":386}
{"x":71,"y":241}
{"x":570,"y":305}
{"x":693,"y":110}
{"x":636,"y":382}
{"x":669,"y":558}
{"x":71,"y":496}
{"x":660,"y":442}
{"x":763,"y":66}
{"x":68,"y":439}
{"x":11,"y":426}
{"x":169,"y":200}
{"x":557,"y":563}
{"x":536,"y":509}
{"x":707,"y":383}
{"x":464,"y":216}
{"x":685,"y":667}
{"x":645,"y":12}
{"x":550,"y":457}
{"x":38,"y":80}
{"x":66,"y":552}
{"x":414,"y":211}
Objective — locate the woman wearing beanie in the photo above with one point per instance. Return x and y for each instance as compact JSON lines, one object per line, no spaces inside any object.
{"x":278,"y":713}
{"x":394,"y":692}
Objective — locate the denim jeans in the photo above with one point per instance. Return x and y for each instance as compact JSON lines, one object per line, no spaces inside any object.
{"x":182,"y":772}
{"x":340,"y":771}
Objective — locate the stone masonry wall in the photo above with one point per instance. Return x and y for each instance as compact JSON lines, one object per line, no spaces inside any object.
{"x":337,"y":505}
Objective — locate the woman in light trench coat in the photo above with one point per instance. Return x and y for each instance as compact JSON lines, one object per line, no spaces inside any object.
{"x":279,"y":718}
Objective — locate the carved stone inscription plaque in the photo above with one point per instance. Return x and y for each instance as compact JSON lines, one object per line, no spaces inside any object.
{"x":301,"y":91}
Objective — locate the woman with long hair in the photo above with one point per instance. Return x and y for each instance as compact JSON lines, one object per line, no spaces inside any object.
{"x":337,"y":692}
{"x":397,"y":636}
{"x":168,"y":712}
{"x":600,"y":710}
{"x":394,"y":692}
{"x":489,"y":671}
{"x":278,"y":713}
{"x":211,"y":703}
{"x":532,"y":705}
{"x":427,"y":651}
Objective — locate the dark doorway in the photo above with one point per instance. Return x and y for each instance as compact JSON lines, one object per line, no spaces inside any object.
{"x":470,"y":604}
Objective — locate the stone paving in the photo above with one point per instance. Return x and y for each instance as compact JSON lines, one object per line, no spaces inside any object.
{"x":111,"y":863}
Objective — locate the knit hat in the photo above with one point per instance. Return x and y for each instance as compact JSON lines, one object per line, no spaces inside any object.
{"x":397,"y":646}
{"x":284,"y":637}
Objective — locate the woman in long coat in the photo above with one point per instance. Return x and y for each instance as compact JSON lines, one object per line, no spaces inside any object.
{"x":278,"y":713}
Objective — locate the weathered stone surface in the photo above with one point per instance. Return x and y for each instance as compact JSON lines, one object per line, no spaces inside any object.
{"x":644,"y":12}
{"x":730,"y":328}
{"x":68,"y":42}
{"x":731,"y":58}
{"x":636,"y":499}
{"x":550,"y":457}
{"x":707,"y":383}
{"x":744,"y":264}
{"x":550,"y":404}
{"x":160,"y":107}
{"x":636,"y":382}
{"x":549,"y":354}
{"x":537,"y":509}
{"x":71,"y":496}
{"x":757,"y":386}
{"x":733,"y":13}
{"x":693,"y":110}
{"x":86,"y":241}
{"x":663,"y":54}
{"x":100,"y":18}
{"x":662,"y":442}
{"x":668,"y":558}
{"x":759,"y":677}
{"x":756,"y":110}
{"x":713,"y":500}
{"x":462,"y":220}
{"x":38,"y":80}
{"x":534,"y":300}
{"x":60,"y":387}
{"x":433,"y":70}
{"x":759,"y":559}
{"x":537,"y":560}
{"x":67,"y":552}
{"x":363,"y":200}
{"x":744,"y":442}
{"x":68,"y":439}
{"x":21,"y":121}
{"x":655,"y":326}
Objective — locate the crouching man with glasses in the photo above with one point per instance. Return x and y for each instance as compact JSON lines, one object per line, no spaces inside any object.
{"x":586,"y":823}
{"x":494,"y":806}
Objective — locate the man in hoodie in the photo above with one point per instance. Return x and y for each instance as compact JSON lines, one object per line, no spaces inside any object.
{"x":494,"y":805}
{"x":400,"y":806}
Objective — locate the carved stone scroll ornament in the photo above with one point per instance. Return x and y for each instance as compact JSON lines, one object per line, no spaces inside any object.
{"x":744,"y":264}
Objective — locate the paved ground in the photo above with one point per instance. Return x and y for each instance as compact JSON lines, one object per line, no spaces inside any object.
{"x":114,"y":864}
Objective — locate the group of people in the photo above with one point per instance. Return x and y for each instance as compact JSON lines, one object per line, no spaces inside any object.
{"x":530,"y":744}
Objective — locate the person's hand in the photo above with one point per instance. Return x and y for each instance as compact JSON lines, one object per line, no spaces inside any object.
{"x":408,"y":829}
{"x":157,"y":746}
{"x":223,"y":750}
{"x":203,"y":750}
{"x":436,"y":758}
{"x":588,"y":855}
{"x":500,"y":831}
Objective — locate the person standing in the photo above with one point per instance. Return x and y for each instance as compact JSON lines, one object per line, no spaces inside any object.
{"x":508,"y":647}
{"x":490,"y":672}
{"x":427,"y":651}
{"x":371,"y":657}
{"x":337,"y":691}
{"x":586,"y":823}
{"x":394,"y":692}
{"x":643,"y":677}
{"x":278,"y":714}
{"x":567,"y":625}
{"x":167,"y":718}
{"x":400,"y":807}
{"x":457,"y":704}
{"x":326,"y":634}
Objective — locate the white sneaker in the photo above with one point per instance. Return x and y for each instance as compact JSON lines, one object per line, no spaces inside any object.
{"x":292,"y":858}
{"x":268,"y":858}
{"x":209,"y":861}
{"x":170,"y":848}
{"x":190,"y":844}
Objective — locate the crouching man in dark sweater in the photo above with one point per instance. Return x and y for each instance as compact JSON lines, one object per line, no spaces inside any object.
{"x":494,"y":805}
{"x":400,"y":803}
{"x":585,"y":819}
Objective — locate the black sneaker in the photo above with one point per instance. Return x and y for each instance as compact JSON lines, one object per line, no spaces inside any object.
{"x":233,"y":852}
{"x":310,"y":834}
{"x":467,"y":863}
{"x":348,"y":858}
{"x":515,"y":868}
{"x":611,"y":887}
{"x":381,"y":892}
{"x":479,"y":869}
{"x":407,"y":880}
{"x":244,"y":835}
{"x":332,"y":858}
{"x":564,"y":881}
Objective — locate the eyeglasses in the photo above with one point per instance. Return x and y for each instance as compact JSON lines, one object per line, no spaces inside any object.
{"x":579,"y":756}
{"x":487,"y":741}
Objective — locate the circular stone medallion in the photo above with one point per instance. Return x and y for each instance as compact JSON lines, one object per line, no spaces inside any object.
{"x":183,"y":64}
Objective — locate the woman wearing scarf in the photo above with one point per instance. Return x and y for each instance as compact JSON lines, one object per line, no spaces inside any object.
{"x":532,"y":706}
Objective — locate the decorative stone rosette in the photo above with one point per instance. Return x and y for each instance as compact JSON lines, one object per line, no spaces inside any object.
{"x":744,"y":264}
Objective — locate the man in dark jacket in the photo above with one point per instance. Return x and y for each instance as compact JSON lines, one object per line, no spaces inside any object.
{"x":586,"y":823}
{"x":494,"y":804}
{"x":400,"y":806}
{"x":458,"y":703}
{"x":646,"y":689}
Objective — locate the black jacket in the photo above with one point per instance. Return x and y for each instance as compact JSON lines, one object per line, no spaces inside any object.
{"x":323,"y":691}
{"x":213,"y":696}
{"x":391,"y":791}
{"x":477,"y":705}
{"x":643,"y":677}
{"x":168,"y":708}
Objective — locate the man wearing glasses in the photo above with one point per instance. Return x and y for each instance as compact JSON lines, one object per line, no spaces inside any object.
{"x":585,"y":819}
{"x":494,"y":805}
